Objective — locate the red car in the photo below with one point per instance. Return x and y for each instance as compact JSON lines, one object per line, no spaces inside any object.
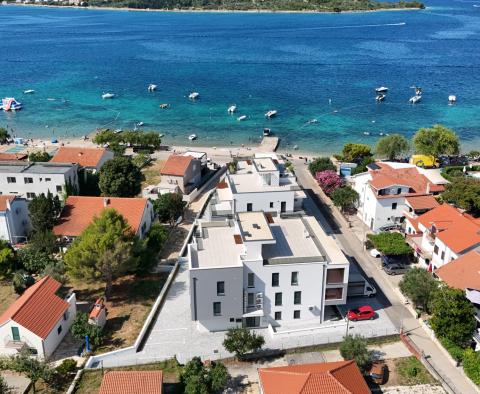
{"x":361,"y":313}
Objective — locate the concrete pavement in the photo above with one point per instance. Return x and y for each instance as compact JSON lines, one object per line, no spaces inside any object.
{"x":393,"y":304}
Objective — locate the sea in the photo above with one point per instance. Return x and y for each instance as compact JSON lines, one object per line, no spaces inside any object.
{"x":319,"y":71}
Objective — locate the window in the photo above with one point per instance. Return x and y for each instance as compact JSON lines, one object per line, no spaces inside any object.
{"x":249,"y":207}
{"x":232,"y":320}
{"x":30,"y":195}
{"x":278,"y":299}
{"x":297,"y":297}
{"x":278,"y":315}
{"x":217,"y":309}
{"x":11,"y":179}
{"x":271,"y":205}
{"x":28,"y":180}
{"x":294,"y":280}
{"x":59,"y":188}
{"x":238,"y":320}
{"x":399,"y":190}
{"x":296,"y":314}
{"x":334,"y":294}
{"x":48,"y":179}
{"x":251,"y":299}
{"x":443,"y":255}
{"x":66,"y":315}
{"x":251,"y":280}
{"x":59,"y":330}
{"x":335,"y":275}
{"x":435,"y":249}
{"x":394,"y":205}
{"x":15,"y":334}
{"x":220,"y":288}
{"x":275,"y":279}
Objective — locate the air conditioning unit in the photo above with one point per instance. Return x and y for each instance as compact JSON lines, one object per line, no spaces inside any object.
{"x":311,"y":307}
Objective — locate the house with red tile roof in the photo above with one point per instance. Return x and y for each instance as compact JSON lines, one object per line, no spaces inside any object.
{"x":390,"y":191}
{"x":464,"y":274}
{"x":132,"y":382}
{"x":89,"y":158}
{"x":443,"y":234}
{"x":37,"y":320}
{"x":79,"y":212}
{"x":14,"y":219}
{"x":182,"y":172}
{"x":339,"y":377}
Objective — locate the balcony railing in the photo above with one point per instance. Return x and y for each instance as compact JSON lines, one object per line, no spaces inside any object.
{"x":476,"y":336}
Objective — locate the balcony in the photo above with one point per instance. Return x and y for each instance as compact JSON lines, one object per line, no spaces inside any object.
{"x":476,"y":336}
{"x":415,"y":242}
{"x":252,"y":310}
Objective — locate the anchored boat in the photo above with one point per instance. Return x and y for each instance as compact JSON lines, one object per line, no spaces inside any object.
{"x":107,"y":95}
{"x":232,"y":109}
{"x":193,"y":95}
{"x":271,"y":113}
{"x":152,"y":87}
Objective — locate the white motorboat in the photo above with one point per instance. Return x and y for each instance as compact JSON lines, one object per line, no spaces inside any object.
{"x":267,"y":132}
{"x":192,"y":137}
{"x":152,"y":87}
{"x":271,"y":113}
{"x":116,"y":131}
{"x":311,"y":121}
{"x":164,"y":106}
{"x":193,"y":95}
{"x":381,"y":89}
{"x":140,"y":124}
{"x":107,"y":95}
{"x":28,"y":91}
{"x":415,"y":99}
{"x":452,"y":99}
{"x":366,"y":133}
{"x":380,"y":97}
{"x":10,"y":104}
{"x":232,"y":109}
{"x":243,"y":117}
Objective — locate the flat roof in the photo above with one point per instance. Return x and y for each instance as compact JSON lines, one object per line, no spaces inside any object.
{"x":219,"y":248}
{"x":251,"y":183}
{"x":254,"y":226}
{"x":265,"y":164}
{"x":35,"y":168}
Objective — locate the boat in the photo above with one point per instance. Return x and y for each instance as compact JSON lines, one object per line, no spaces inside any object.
{"x":271,"y":113}
{"x":415,"y":99}
{"x":243,"y":117}
{"x":28,"y":91}
{"x":193,"y":95}
{"x":381,"y":89}
{"x":380,"y":97}
{"x":10,"y":104}
{"x":164,"y":106}
{"x":366,"y":133}
{"x":267,"y":132}
{"x":452,"y":99}
{"x":107,"y":95}
{"x":140,"y":124}
{"x":232,"y":109}
{"x":295,"y":147}
{"x":192,"y":137}
{"x":152,"y":87}
{"x":116,"y":131}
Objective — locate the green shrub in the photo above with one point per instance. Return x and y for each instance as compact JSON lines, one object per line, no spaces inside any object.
{"x":411,"y":372}
{"x":390,"y":243}
{"x":321,"y":164}
{"x":471,"y":365}
{"x":355,"y":348}
{"x":67,"y":366}
{"x":455,"y":351}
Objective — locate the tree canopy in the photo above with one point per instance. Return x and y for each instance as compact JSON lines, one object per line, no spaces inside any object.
{"x":7,"y":258}
{"x":390,"y":243}
{"x":355,"y":152}
{"x":435,"y":141}
{"x":104,"y":251}
{"x":344,"y":197}
{"x":138,"y":138}
{"x":4,"y":135}
{"x":119,"y":177}
{"x":453,"y":316}
{"x":200,"y":378}
{"x":241,"y":341}
{"x":355,"y":348}
{"x":464,"y":192}
{"x":43,"y":211}
{"x":80,"y":328}
{"x":392,"y":146}
{"x":39,"y":156}
{"x":169,"y":207}
{"x":321,"y":164}
{"x":420,"y":286}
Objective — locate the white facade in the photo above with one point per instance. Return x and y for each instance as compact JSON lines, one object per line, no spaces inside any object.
{"x":44,"y":347}
{"x":14,"y":220}
{"x":28,"y":180}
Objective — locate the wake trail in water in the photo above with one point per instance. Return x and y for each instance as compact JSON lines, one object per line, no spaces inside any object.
{"x":353,"y":26}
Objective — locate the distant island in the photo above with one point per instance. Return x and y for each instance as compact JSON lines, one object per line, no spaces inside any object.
{"x":244,"y":5}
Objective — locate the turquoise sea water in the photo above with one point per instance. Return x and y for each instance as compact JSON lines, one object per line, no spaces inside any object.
{"x":294,"y":63}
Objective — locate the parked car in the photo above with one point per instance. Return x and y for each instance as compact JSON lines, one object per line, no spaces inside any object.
{"x":401,"y":259}
{"x":379,"y":372}
{"x":361,"y":313}
{"x":395,"y":269}
{"x":375,"y":253}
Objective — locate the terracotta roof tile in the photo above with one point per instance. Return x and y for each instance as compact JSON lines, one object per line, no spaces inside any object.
{"x":13,"y":156}
{"x":462,"y":273}
{"x":176,"y":165}
{"x":86,"y":157}
{"x":79,"y":212}
{"x":342,"y":377}
{"x":422,"y":202}
{"x":38,"y":309}
{"x":3,"y":201}
{"x":132,"y":382}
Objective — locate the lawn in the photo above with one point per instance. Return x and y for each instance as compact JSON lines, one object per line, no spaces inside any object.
{"x":411,"y":372}
{"x":7,"y":295}
{"x":152,"y":173}
{"x":127,"y":308}
{"x":91,"y":379}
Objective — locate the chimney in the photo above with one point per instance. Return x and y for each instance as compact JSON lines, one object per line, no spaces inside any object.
{"x":428,"y":187}
{"x":106,"y":201}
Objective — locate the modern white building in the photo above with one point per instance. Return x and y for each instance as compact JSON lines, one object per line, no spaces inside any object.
{"x":38,"y":320}
{"x":262,"y":269}
{"x":29,"y":179}
{"x":259,"y":184}
{"x":388,"y":190}
{"x":14,"y":219}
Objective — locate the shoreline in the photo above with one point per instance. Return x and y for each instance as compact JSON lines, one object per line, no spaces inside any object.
{"x":213,"y":11}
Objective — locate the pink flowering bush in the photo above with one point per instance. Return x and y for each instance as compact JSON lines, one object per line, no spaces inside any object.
{"x":329,"y":181}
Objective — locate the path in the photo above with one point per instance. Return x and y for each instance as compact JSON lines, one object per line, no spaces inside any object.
{"x":393,"y":304}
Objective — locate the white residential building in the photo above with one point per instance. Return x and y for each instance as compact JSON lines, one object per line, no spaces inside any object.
{"x":38,"y":320}
{"x":259,"y":184}
{"x":14,"y":219}
{"x":29,"y":179}
{"x":388,"y":190}
{"x":262,"y":269}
